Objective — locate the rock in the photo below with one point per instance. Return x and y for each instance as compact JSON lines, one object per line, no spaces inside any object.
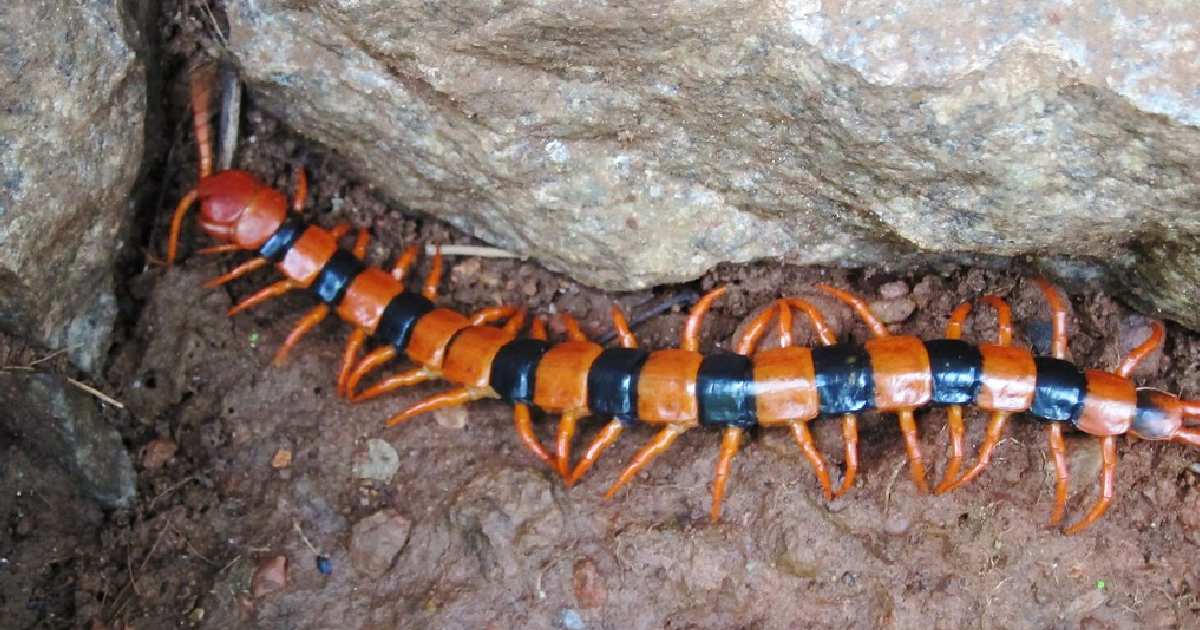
{"x":281,"y":459}
{"x":635,"y":145}
{"x":73,"y":103}
{"x":893,"y":311}
{"x":62,"y":422}
{"x":588,"y":584}
{"x":893,"y":290}
{"x":376,"y":540}
{"x":378,"y":461}
{"x":158,"y":452}
{"x":452,"y":417}
{"x":269,"y":577}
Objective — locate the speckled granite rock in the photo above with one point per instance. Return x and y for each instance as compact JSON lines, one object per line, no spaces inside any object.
{"x":72,"y":102}
{"x":633,"y":144}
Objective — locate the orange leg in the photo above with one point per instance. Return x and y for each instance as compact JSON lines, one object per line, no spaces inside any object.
{"x":370,"y":363}
{"x":449,"y":398}
{"x":200,"y":85}
{"x":752,"y":334}
{"x":817,"y":319}
{"x":606,"y":438}
{"x":405,"y":262}
{"x":407,"y":378}
{"x":995,"y":431}
{"x":957,"y":317}
{"x":1058,"y":318}
{"x":524,"y":426}
{"x":916,"y":465}
{"x":860,"y":307}
{"x":1138,"y":354}
{"x":177,"y":224}
{"x":353,"y":347}
{"x":360,"y":243}
{"x":537,"y":330}
{"x":491,"y":314}
{"x":624,"y":336}
{"x":430,"y":290}
{"x":514,"y":323}
{"x":691,"y":330}
{"x":954,"y":420}
{"x":572,"y":326}
{"x":306,"y":324}
{"x":785,"y":325}
{"x":270,"y":292}
{"x":227,"y":248}
{"x":300,"y":194}
{"x":850,"y":435}
{"x":1188,"y":436}
{"x":1058,"y":450}
{"x":805,"y":440}
{"x":652,"y":449}
{"x":566,"y":432}
{"x":238,"y":272}
{"x":1108,"y":484}
{"x":731,"y":439}
{"x":340,"y":230}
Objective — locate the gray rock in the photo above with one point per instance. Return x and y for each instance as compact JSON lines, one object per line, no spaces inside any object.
{"x":376,"y":460}
{"x":71,"y":114}
{"x":61,"y":422}
{"x":376,"y":540}
{"x":635,"y":145}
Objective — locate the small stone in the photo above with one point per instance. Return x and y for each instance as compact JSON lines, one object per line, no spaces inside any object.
{"x":376,"y":540}
{"x":324,"y":565}
{"x":197,"y":615}
{"x":530,"y":288}
{"x":378,"y":461}
{"x":893,"y":290}
{"x":157,"y":453}
{"x":571,"y":620}
{"x":896,"y":524}
{"x":282,"y":458}
{"x":893,"y":311}
{"x":452,"y":417}
{"x":269,"y":577}
{"x":590,"y":590}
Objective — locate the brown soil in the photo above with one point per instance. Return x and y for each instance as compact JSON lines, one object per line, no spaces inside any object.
{"x":496,"y":541}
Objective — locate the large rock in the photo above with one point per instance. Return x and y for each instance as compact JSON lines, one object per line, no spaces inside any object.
{"x":72,"y":103}
{"x":636,"y":144}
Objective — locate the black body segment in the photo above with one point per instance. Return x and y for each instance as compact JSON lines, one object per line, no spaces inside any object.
{"x":282,"y":240}
{"x":398,"y":319}
{"x":337,"y":274}
{"x":515,"y":368}
{"x":845,"y":383}
{"x":612,"y":383}
{"x":1060,"y":390}
{"x":956,"y":367}
{"x":724,"y":389}
{"x":1151,"y":422}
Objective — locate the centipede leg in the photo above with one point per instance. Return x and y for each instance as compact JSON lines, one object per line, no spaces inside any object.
{"x":449,"y":398}
{"x":177,"y":224}
{"x":916,"y":464}
{"x":691,"y":329}
{"x":860,"y":307}
{"x":804,"y":440}
{"x":566,"y":432}
{"x":300,"y":194}
{"x":310,"y":320}
{"x":227,"y":248}
{"x":524,"y":425}
{"x":408,"y":378}
{"x":1058,"y":450}
{"x":353,"y":347}
{"x":1108,"y":484}
{"x":606,"y":438}
{"x":405,"y":262}
{"x":430,"y":290}
{"x":995,"y":431}
{"x":850,"y":436}
{"x":731,"y":439}
{"x":655,"y":447}
{"x":237,"y":272}
{"x":954,"y":422}
{"x":263,"y":295}
{"x":370,"y":363}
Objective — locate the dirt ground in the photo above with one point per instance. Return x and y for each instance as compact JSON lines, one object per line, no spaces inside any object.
{"x":493,"y":540}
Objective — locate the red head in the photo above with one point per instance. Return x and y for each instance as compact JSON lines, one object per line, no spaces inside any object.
{"x":236,"y":208}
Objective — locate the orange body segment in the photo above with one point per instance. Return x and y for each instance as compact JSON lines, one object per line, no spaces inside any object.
{"x":785,"y":387}
{"x":367,"y":297}
{"x":561,"y":380}
{"x":667,"y":387}
{"x":305,"y":260}
{"x":901,"y":369}
{"x":432,"y":333}
{"x":1009,"y":378}
{"x":469,"y":358}
{"x":1109,"y":406}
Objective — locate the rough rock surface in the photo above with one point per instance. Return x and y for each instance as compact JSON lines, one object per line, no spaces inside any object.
{"x":72,"y":105}
{"x":634,"y":145}
{"x":63,"y":423}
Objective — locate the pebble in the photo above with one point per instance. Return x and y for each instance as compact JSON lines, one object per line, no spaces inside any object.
{"x":452,"y":417}
{"x":269,"y":577}
{"x":282,"y":459}
{"x":571,"y":620}
{"x":893,"y":311}
{"x":893,"y":290}
{"x":590,"y":590}
{"x":157,"y":453}
{"x":896,"y":524}
{"x":378,"y":461}
{"x":376,"y":540}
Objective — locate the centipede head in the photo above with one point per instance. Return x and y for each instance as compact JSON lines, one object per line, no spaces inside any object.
{"x":237,"y":208}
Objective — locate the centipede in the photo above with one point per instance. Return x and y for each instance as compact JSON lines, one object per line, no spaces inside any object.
{"x":492,"y":353}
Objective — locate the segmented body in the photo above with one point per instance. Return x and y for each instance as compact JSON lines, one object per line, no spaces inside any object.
{"x":677,"y":388}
